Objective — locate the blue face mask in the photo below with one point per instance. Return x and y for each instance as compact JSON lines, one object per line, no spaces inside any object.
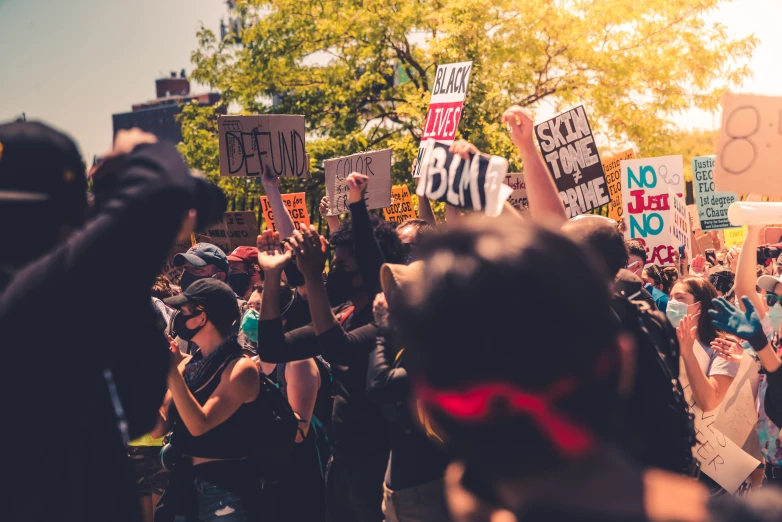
{"x":250,"y":324}
{"x":676,"y":311}
{"x":775,"y":316}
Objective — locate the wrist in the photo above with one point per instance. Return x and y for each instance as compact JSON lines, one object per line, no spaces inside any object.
{"x":758,"y":341}
{"x":354,"y":198}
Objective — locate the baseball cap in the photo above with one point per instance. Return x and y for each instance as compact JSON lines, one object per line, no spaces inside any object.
{"x":768,"y":283}
{"x":203,"y":254}
{"x":40,"y":164}
{"x":244,"y":253}
{"x":215,"y":297}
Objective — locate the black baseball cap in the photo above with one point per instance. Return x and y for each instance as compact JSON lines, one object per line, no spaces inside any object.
{"x":39,"y":164}
{"x":203,"y":254}
{"x":215,"y":297}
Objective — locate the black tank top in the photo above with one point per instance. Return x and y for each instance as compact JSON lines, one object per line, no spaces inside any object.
{"x":231,"y":438}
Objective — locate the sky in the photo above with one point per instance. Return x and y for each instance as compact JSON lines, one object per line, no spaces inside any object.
{"x":73,"y":63}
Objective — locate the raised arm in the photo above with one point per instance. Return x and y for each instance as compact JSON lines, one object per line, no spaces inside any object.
{"x":544,"y":201}
{"x":331,"y":221}
{"x":708,"y":391}
{"x":282,"y":219}
{"x":425,"y":211}
{"x":385,"y":384}
{"x":746,"y":276}
{"x":369,"y":257}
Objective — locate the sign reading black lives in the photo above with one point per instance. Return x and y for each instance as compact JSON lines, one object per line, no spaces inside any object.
{"x":475,"y":184}
{"x":571,"y":154}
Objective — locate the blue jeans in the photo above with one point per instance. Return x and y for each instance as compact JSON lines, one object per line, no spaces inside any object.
{"x":217,"y":504}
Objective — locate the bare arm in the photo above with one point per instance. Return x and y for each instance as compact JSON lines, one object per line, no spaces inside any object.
{"x":162,"y":426}
{"x":282,"y":219}
{"x":311,"y":258}
{"x":425,"y":211}
{"x":746,"y":277}
{"x":331,"y":221}
{"x":544,"y":201}
{"x":708,"y":391}
{"x":303,"y":382}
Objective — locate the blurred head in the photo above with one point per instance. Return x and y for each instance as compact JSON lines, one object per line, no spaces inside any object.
{"x":602,"y":238}
{"x":42,"y":179}
{"x":694,"y":296}
{"x":344,"y":283}
{"x":411,"y":232}
{"x":207,"y":308}
{"x":516,"y":377}
{"x":636,"y":256}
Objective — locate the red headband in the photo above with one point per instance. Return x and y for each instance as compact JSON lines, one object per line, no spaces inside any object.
{"x":472,"y":405}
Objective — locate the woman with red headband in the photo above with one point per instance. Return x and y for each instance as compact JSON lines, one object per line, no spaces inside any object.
{"x":524,"y":381}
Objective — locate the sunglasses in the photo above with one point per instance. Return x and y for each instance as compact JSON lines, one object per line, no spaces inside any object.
{"x":772,"y":299}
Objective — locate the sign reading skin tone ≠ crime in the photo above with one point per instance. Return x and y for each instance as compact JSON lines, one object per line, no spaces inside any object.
{"x":271,"y":144}
{"x":445,"y":107}
{"x":376,"y":165}
{"x":570,"y":152}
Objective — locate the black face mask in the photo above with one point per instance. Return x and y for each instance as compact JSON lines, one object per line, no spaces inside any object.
{"x":339,"y":286}
{"x":181,"y":329}
{"x":188,"y":279}
{"x":239,"y":283}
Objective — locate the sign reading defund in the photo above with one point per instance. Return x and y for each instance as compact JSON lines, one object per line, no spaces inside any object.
{"x":571,"y":154}
{"x":445,"y":107}
{"x":647,"y":204}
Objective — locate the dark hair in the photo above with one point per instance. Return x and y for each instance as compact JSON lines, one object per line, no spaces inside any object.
{"x":489,"y":308}
{"x":665,"y":277}
{"x":636,"y":248}
{"x":162,"y":288}
{"x":603,"y":239}
{"x":385,"y":234}
{"x":723,"y":281}
{"x":421,"y":227}
{"x":703,"y":292}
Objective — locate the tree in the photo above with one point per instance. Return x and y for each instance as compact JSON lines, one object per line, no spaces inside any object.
{"x":633,"y":64}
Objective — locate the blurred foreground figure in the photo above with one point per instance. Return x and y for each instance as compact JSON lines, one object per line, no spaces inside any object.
{"x":85,"y":359}
{"x":525,"y":384}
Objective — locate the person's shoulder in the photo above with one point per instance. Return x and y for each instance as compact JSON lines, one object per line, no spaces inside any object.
{"x":763,"y":505}
{"x":669,"y":497}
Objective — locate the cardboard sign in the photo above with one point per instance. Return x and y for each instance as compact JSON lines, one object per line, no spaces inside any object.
{"x":475,"y":184}
{"x":570,"y":152}
{"x":270,"y":144}
{"x":401,"y":208}
{"x":375,"y":164}
{"x":647,"y":205}
{"x":749,"y":149}
{"x":613,"y":174}
{"x":234,"y":230}
{"x":738,"y":413}
{"x":719,"y":456}
{"x":295,"y":203}
{"x":445,"y":106}
{"x":180,"y":247}
{"x":735,"y":236}
{"x":712,"y":205}
{"x":680,"y":227}
{"x":518,"y":198}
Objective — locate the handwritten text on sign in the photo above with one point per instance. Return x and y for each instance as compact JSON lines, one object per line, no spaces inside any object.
{"x":518,"y":197}
{"x":295,"y":204}
{"x":647,"y":206}
{"x":571,"y":155}
{"x":475,"y":184}
{"x":613,"y":174}
{"x":270,"y":144}
{"x":712,"y":204}
{"x":401,"y":208}
{"x":680,"y":226}
{"x":749,"y":151}
{"x":445,"y":106}
{"x":235,"y":229}
{"x":376,"y":165}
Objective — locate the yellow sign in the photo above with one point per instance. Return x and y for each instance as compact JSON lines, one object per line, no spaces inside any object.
{"x":613,"y":173}
{"x":295,"y":203}
{"x":735,"y":236}
{"x":401,"y":208}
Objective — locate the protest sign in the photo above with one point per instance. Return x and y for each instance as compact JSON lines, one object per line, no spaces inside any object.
{"x":475,"y":184}
{"x":735,"y":236}
{"x":180,"y":247}
{"x":401,"y":208}
{"x":518,"y":198}
{"x":374,"y":164}
{"x":270,"y":144}
{"x":235,"y":229}
{"x":680,"y":223}
{"x":738,"y":412}
{"x":712,"y":205}
{"x":570,"y":152}
{"x":749,"y":149}
{"x":445,"y":107}
{"x":613,"y":174}
{"x":719,"y":456}
{"x":647,"y":205}
{"x":295,"y":204}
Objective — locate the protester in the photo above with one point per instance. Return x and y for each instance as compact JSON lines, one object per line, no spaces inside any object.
{"x":209,"y":417}
{"x":636,"y":257}
{"x":659,"y":282}
{"x":723,"y":280}
{"x":331,"y":221}
{"x":345,"y":337}
{"x":413,"y":486}
{"x":243,"y":272}
{"x":410,"y":233}
{"x":107,"y":379}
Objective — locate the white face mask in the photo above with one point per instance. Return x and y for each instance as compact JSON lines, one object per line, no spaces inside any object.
{"x":676,"y":311}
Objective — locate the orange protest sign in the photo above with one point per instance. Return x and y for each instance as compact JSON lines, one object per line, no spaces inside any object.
{"x":295,"y":203}
{"x":401,"y":208}
{"x":613,"y":173}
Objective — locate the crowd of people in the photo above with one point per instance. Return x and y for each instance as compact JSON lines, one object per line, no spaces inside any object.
{"x":526,"y":367}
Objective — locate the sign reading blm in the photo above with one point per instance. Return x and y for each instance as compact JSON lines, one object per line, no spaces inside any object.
{"x":475,"y":184}
{"x":445,"y":107}
{"x":571,"y":154}
{"x":271,"y":144}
